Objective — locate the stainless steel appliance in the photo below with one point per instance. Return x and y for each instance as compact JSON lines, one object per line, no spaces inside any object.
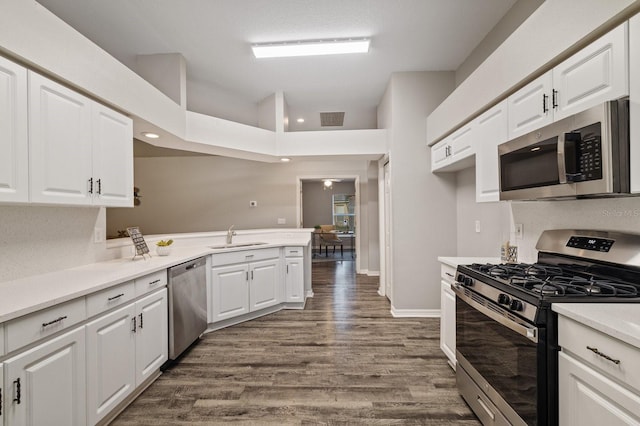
{"x":584,"y":155}
{"x":506,"y":347}
{"x":187,"y":304}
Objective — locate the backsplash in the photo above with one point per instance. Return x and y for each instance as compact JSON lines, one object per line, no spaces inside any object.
{"x":36,"y":240}
{"x":608,"y":214}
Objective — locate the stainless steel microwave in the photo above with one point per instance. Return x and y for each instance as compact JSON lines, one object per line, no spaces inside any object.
{"x":584,"y":155}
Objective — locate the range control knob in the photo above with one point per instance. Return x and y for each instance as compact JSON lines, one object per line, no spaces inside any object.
{"x":460,"y":278}
{"x":468,"y":281}
{"x":516,"y":305}
{"x":504,"y":299}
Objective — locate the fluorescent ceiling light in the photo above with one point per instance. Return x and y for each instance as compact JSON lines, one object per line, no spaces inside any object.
{"x":300,"y":120}
{"x":311,"y":48}
{"x":285,"y":159}
{"x":151,"y":135}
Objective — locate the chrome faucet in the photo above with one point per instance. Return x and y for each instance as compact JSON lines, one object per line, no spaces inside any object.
{"x":230,"y":234}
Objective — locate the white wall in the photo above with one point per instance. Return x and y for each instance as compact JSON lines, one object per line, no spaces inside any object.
{"x":495,"y":219}
{"x":423,"y":204}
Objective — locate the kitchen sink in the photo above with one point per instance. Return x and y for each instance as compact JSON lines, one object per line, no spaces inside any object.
{"x":234,"y":245}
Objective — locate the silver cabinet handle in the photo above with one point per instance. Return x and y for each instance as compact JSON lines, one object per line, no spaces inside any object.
{"x":18,"y":391}
{"x":57,"y":320}
{"x":605,"y":356}
{"x":154,"y":282}
{"x":133,"y":321}
{"x":115,"y":297}
{"x":449,"y":274}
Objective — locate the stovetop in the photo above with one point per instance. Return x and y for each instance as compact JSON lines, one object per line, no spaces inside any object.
{"x":547,"y":281}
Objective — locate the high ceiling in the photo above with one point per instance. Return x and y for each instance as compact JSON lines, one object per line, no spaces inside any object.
{"x":225,"y":80}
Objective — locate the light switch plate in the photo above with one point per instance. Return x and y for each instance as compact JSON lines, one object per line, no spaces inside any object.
{"x":477,"y":226}
{"x":519,"y":230}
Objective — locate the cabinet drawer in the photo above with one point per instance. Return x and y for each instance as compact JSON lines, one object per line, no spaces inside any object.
{"x":577,"y":338}
{"x":110,"y":298}
{"x":448,"y":273}
{"x":244,"y":256}
{"x":151,"y":282}
{"x":293,"y":251}
{"x":28,"y":329}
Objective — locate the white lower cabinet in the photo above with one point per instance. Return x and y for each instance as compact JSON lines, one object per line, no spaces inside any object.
{"x":264,"y":286}
{"x":229,"y":291}
{"x":294,"y":279}
{"x":244,"y":282}
{"x":124,"y":348}
{"x":46,"y":385}
{"x":448,"y":322}
{"x":152,"y":334}
{"x":598,"y":377}
{"x":2,"y":394}
{"x":110,"y":361}
{"x":588,"y":398}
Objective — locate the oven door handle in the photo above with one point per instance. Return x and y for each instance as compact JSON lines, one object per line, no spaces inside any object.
{"x":498,"y":314}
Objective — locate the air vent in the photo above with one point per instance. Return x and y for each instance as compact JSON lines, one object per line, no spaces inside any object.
{"x":331,"y":119}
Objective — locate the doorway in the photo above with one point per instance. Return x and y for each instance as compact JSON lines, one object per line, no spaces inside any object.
{"x":335,"y":201}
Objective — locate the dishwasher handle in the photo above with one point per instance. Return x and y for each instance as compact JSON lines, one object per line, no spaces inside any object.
{"x":182,"y":268}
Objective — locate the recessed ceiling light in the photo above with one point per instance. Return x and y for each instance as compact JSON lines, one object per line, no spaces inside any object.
{"x":300,"y":120}
{"x":311,"y":48}
{"x":151,"y":135}
{"x":285,"y":159}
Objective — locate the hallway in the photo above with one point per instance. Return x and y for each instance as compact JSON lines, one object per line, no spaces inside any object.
{"x":343,"y":360}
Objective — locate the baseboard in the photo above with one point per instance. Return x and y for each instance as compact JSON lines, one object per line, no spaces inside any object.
{"x":369,"y":273}
{"x":309,"y":293}
{"x":415,"y":313}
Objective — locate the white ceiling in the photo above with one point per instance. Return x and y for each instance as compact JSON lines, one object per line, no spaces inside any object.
{"x":225,"y":79}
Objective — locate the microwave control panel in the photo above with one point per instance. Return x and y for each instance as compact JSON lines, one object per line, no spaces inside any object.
{"x":584,"y":145}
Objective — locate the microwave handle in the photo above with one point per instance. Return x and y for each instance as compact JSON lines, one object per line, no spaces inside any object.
{"x":562,"y":168}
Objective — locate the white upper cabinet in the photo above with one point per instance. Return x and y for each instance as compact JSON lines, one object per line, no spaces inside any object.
{"x":596,"y":74}
{"x":59,"y":143}
{"x":530,"y":107}
{"x":112,"y":157}
{"x":14,"y":148}
{"x":80,"y":152}
{"x":490,"y":131}
{"x":455,"y":152}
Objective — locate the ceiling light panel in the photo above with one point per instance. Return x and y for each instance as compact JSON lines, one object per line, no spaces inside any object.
{"x":311,"y":48}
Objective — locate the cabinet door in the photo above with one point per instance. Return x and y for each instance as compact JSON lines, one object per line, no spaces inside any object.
{"x":530,"y":107}
{"x":440,"y":153}
{"x":588,"y":398}
{"x":112,"y":157}
{"x":59,"y":143}
{"x":294,"y":280}
{"x":462,"y":145}
{"x":14,"y":147}
{"x":596,"y":74}
{"x":263,"y":289}
{"x":152,"y":334}
{"x":448,"y":322}
{"x":110,"y":361}
{"x":229,"y":291}
{"x":490,"y":131}
{"x":47,"y":383}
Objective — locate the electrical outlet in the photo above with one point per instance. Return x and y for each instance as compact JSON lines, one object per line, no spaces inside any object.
{"x":282,"y":221}
{"x":98,"y":235}
{"x":477,"y":226}
{"x":519,"y":230}
{"x":253,"y":203}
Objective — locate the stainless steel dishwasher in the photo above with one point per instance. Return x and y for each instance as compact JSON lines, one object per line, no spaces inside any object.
{"x":187,"y":304}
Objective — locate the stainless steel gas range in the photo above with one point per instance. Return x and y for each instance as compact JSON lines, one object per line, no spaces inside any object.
{"x":506,"y":332}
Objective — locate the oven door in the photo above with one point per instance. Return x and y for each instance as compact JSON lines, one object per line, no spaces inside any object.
{"x":502,"y":355}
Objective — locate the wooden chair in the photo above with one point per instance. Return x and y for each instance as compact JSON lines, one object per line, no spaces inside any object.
{"x":328,"y":237}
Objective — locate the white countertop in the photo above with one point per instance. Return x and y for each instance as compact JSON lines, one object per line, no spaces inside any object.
{"x":26,"y":295}
{"x":455,"y":261}
{"x":619,"y":320}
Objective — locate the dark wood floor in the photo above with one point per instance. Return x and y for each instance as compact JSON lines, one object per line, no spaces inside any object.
{"x":342,"y":361}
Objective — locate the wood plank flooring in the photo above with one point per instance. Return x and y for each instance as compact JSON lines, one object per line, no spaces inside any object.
{"x":342,"y":361}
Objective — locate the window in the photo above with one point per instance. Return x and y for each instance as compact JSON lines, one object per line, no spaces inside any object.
{"x":344,"y":212}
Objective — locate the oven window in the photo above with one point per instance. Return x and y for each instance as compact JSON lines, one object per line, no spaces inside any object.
{"x":503,"y":357}
{"x":533,"y":166}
